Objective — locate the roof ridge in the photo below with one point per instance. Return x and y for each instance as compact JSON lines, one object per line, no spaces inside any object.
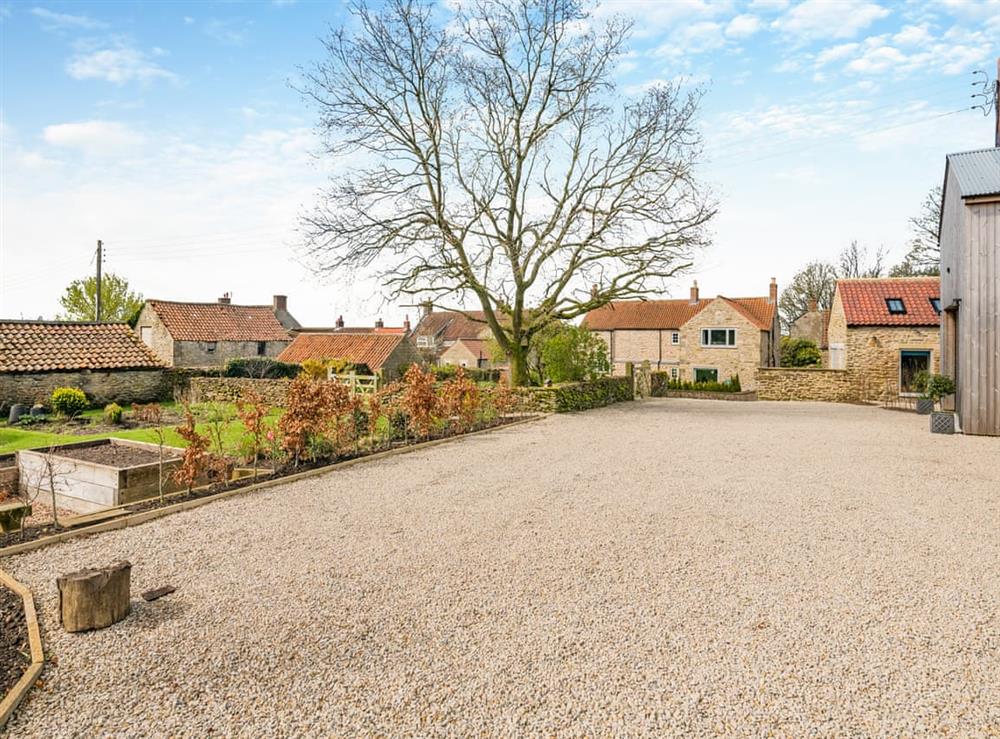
{"x":216,"y":302}
{"x":57,"y":322}
{"x":973,"y":151}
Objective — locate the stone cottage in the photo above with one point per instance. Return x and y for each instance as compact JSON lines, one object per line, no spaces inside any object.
{"x":105,"y":360}
{"x":210,"y":334}
{"x":695,"y":340}
{"x":436,"y":331}
{"x":813,"y":325}
{"x":883,"y":331}
{"x":383,"y":354}
{"x":472,"y":353}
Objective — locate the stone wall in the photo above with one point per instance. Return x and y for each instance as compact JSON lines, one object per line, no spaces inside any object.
{"x":200,"y":354}
{"x":873,"y":356}
{"x":780,"y":383}
{"x":101,"y":386}
{"x":203,"y":389}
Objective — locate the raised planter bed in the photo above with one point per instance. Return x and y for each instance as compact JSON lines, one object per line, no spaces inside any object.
{"x":21,"y":656}
{"x":91,"y":476}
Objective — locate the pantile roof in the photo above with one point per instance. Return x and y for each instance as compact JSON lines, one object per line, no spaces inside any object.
{"x":672,"y":314}
{"x":452,"y":325}
{"x":371,"y":350}
{"x":46,"y":346}
{"x":219,"y":321}
{"x":864,"y":301}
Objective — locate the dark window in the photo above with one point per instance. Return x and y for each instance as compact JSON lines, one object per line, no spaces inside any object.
{"x":896,"y":306}
{"x":706,"y":375}
{"x":210,"y":347}
{"x":911,"y":363}
{"x":718,"y":337}
{"x":261,"y":348}
{"x":936,"y":305}
{"x":675,"y":338}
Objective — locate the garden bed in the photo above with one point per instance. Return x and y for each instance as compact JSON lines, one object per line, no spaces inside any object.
{"x":117,"y":455}
{"x":15,"y":652}
{"x":708,"y":395}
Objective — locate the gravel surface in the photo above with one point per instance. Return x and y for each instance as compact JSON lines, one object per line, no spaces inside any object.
{"x":672,"y":567}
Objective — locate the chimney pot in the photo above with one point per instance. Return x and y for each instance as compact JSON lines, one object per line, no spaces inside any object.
{"x":226,"y":299}
{"x":425,"y":308}
{"x":694,"y":292}
{"x":280,"y":302}
{"x":772,"y":296}
{"x":813,"y":305}
{"x":340,"y":322}
{"x":379,"y":323}
{"x":406,"y":324}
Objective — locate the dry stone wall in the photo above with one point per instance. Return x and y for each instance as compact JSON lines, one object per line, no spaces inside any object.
{"x":780,"y":383}
{"x":228,"y":389}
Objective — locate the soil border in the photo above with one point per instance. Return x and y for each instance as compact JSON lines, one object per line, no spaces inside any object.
{"x":134,"y":519}
{"x":16,"y":694}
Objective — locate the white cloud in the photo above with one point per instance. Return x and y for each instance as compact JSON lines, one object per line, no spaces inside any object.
{"x":742,"y":26}
{"x":913,"y":35}
{"x":692,"y":38}
{"x":652,"y":18}
{"x":52,"y":21}
{"x":94,"y":138}
{"x":836,"y":53}
{"x":188,"y":20}
{"x":817,"y":19}
{"x":769,"y":4}
{"x":119,"y":65}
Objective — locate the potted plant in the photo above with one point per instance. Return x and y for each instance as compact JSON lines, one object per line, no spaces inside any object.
{"x":938,"y":387}
{"x":925,"y":404}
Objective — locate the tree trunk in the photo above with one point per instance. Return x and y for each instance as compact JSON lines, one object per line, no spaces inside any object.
{"x":519,"y":366}
{"x":94,"y":599}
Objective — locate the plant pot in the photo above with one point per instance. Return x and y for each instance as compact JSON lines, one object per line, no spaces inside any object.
{"x":942,"y":422}
{"x":925,"y":406}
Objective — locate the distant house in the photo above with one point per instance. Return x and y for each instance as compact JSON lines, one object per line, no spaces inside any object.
{"x":105,"y":360}
{"x":472,"y":353}
{"x":438,"y":330}
{"x":383,"y":354}
{"x":884,"y":331}
{"x":970,"y":287}
{"x":338,"y":326}
{"x":813,"y":325}
{"x":210,"y":334}
{"x":695,"y":340}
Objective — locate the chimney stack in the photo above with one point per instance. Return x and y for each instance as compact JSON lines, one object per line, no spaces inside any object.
{"x":406,"y":324}
{"x":379,"y":323}
{"x":280,"y":302}
{"x":340,"y":322}
{"x":226,"y":299}
{"x":813,"y":305}
{"x":772,"y":296}
{"x":425,"y":308}
{"x":694,"y":292}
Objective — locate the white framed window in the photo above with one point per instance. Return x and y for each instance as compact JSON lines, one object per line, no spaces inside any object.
{"x":423,"y":341}
{"x":675,"y":337}
{"x":674,"y":373}
{"x":718,"y":337}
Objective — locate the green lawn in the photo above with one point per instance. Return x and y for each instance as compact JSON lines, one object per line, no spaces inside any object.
{"x":13,"y":438}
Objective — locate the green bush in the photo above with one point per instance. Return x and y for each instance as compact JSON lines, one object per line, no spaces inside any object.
{"x":580,"y":396}
{"x":796,"y":352}
{"x":69,"y":401}
{"x":113,"y":414}
{"x":938,"y":386}
{"x":661,"y":383}
{"x":262,"y":368}
{"x":573,"y":354}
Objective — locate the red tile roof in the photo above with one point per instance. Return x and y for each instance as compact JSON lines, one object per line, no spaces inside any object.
{"x":45,"y":346}
{"x":864,"y":301}
{"x":371,"y":350}
{"x":452,"y":325}
{"x":671,"y":314}
{"x":219,"y":321}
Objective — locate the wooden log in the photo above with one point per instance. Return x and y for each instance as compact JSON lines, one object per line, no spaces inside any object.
{"x":94,"y":598}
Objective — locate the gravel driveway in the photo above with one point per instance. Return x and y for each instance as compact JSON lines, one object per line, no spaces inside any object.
{"x":662,"y":568}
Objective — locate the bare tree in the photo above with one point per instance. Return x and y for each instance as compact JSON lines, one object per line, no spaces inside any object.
{"x":814,"y":284}
{"x":924,"y":257}
{"x":493,"y":160}
{"x":855,"y":262}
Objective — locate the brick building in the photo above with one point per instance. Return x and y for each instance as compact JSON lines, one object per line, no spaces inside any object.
{"x":695,"y":339}
{"x":210,"y":334}
{"x":105,"y":360}
{"x":883,"y":331}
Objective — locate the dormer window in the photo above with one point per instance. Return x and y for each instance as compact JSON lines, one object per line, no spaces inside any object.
{"x":936,"y":305}
{"x":895,"y":306}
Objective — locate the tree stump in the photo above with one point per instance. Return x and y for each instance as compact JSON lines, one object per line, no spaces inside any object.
{"x":94,"y":598}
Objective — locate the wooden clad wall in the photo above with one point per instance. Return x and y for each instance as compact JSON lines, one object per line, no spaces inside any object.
{"x":979,"y":321}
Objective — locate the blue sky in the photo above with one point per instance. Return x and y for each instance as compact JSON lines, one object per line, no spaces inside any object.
{"x":170,"y":131}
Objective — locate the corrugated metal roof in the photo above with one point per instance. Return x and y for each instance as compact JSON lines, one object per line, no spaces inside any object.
{"x":977,"y":172}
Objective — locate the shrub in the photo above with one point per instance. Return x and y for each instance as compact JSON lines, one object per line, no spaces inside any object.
{"x":196,"y":459}
{"x":262,"y":368}
{"x":580,"y":396}
{"x":113,"y":414}
{"x":69,"y":401}
{"x":798,"y":352}
{"x":448,"y":371}
{"x":938,"y":386}
{"x":661,"y":382}
{"x":419,"y":400}
{"x":460,"y":401}
{"x":573,"y":354}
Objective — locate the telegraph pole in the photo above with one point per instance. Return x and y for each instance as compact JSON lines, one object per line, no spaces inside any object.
{"x":996,"y":106}
{"x":98,"y":308}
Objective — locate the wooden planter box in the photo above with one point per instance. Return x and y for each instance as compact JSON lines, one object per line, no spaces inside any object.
{"x":83,"y":486}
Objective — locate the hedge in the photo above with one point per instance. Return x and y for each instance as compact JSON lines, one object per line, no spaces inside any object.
{"x":580,"y":396}
{"x":262,"y":368}
{"x":660,"y":383}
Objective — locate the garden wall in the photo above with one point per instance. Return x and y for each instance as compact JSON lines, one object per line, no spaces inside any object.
{"x":832,"y":385}
{"x":229,"y":389}
{"x":101,"y":386}
{"x":578,"y":396}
